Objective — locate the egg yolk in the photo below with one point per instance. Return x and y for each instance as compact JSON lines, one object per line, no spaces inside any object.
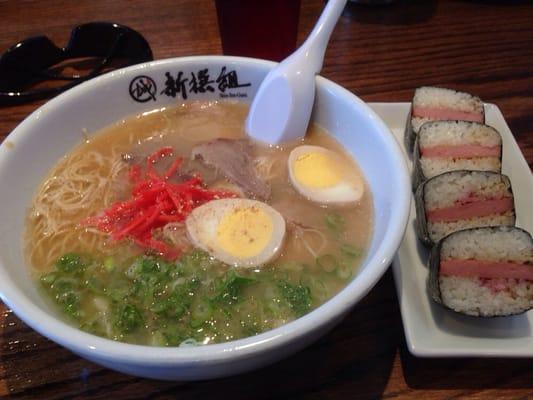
{"x":244,"y":232}
{"x":317,"y":170}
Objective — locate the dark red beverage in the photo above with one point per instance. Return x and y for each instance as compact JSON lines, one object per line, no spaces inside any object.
{"x":258,"y":28}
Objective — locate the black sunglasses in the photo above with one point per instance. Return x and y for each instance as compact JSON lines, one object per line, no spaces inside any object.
{"x":101,"y":45}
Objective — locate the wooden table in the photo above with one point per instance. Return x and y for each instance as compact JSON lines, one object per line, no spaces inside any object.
{"x":379,"y":53}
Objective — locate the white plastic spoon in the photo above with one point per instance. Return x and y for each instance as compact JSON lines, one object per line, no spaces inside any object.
{"x":281,"y":109}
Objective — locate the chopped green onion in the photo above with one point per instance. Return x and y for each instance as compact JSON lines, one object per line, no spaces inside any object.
{"x":350,"y":251}
{"x":344,"y":271}
{"x":200,"y":314}
{"x":230,"y":289}
{"x":150,"y":300}
{"x":335,"y":223}
{"x":95,"y":285}
{"x":109,"y":264}
{"x":298,"y":296}
{"x":129,"y":318}
{"x":327,"y":262}
{"x":70,"y":262}
{"x":49,"y":278}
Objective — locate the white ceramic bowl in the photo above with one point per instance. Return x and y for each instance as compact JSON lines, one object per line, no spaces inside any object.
{"x":51,"y":131}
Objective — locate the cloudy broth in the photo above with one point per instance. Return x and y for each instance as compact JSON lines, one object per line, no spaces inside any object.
{"x":113,"y":289}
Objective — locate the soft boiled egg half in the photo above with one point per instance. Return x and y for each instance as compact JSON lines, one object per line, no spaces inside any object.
{"x":239,"y":232}
{"x":323,"y":176}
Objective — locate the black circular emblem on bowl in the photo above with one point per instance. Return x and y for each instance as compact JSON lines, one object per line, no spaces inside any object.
{"x":143,"y":89}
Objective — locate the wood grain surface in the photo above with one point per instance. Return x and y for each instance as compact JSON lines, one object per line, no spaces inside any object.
{"x":380,"y":53}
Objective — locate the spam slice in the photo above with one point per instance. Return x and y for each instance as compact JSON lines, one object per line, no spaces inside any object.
{"x":483,"y":271}
{"x":444,"y":146}
{"x":434,"y":104}
{"x":462,"y":199}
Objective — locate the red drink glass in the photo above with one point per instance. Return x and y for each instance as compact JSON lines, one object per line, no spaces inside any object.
{"x":258,"y":28}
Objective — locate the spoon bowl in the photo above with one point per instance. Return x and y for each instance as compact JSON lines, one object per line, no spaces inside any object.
{"x":281,"y":109}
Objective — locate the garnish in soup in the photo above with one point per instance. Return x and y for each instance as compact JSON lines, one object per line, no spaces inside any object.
{"x":171,"y":228}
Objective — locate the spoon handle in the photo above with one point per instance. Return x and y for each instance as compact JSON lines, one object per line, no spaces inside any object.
{"x":316,"y":43}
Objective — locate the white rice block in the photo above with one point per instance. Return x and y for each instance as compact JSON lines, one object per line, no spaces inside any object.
{"x":435,"y":166}
{"x":457,"y":133}
{"x":473,"y":297}
{"x":444,"y":190}
{"x":438,"y":230}
{"x":437,"y":97}
{"x":502,"y":244}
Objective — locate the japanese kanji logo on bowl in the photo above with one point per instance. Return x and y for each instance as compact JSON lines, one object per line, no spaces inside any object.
{"x":181,"y":84}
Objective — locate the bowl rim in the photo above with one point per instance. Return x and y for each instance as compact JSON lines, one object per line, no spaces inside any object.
{"x":101,"y":348}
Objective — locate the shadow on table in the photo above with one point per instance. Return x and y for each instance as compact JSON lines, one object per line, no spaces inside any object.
{"x":353,"y":361}
{"x":401,"y":12}
{"x":465,"y":373}
{"x":500,"y":2}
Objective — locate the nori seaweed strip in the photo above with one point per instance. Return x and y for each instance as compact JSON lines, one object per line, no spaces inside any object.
{"x":409,"y":134}
{"x":418,"y":174}
{"x":433,"y":285}
{"x":421,"y":225}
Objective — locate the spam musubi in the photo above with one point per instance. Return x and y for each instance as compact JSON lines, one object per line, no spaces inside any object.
{"x":435,"y":103}
{"x":444,"y":146}
{"x":462,"y":199}
{"x":483,"y":271}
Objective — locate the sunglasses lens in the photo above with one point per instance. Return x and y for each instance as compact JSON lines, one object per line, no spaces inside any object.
{"x":97,"y":39}
{"x":93,"y":48}
{"x":20,"y":63}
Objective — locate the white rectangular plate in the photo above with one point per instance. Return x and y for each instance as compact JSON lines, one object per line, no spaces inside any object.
{"x":430,"y":329}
